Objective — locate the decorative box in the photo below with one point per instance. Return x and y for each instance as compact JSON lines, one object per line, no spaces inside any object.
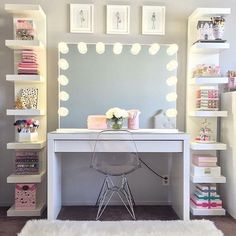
{"x":206,"y":171}
{"x":25,"y":196}
{"x":26,"y":162}
{"x":205,"y":30}
{"x":206,"y":196}
{"x":199,"y":203}
{"x":204,"y":161}
{"x":206,"y":187}
{"x":27,"y":137}
{"x":97,"y":122}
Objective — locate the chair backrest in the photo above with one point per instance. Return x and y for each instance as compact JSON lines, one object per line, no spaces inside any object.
{"x":115,"y":153}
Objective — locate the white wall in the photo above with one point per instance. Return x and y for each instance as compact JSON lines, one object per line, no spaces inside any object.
{"x":57,"y":12}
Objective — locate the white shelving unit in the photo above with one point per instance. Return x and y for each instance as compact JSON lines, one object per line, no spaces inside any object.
{"x":204,"y":53}
{"x":36,"y":13}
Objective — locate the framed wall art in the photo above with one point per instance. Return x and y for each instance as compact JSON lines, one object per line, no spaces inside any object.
{"x":153,"y":20}
{"x":118,"y":19}
{"x":81,"y":18}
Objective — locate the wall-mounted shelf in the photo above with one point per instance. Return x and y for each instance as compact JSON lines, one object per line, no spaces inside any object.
{"x":209,"y":48}
{"x":36,"y":212}
{"x":209,"y":12}
{"x":38,"y":59}
{"x":25,"y":78}
{"x":208,"y":146}
{"x":37,"y":178}
{"x":27,"y":145}
{"x":25,"y":10}
{"x":26,"y":112}
{"x":203,"y":212}
{"x":24,"y":44}
{"x":208,"y":180}
{"x":209,"y":113}
{"x":208,"y":80}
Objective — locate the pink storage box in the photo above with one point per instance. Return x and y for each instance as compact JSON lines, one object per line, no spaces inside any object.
{"x":203,"y":204}
{"x":97,"y":122}
{"x":204,"y":161}
{"x":25,"y":196}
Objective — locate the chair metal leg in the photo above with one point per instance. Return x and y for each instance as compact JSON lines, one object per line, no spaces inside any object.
{"x":99,"y":195}
{"x":107,"y":192}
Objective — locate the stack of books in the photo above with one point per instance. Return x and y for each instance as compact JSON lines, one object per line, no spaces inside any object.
{"x":206,"y":197}
{"x":26,"y":162}
{"x":28,"y":63}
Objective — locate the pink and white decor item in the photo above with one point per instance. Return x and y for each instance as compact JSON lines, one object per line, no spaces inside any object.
{"x":25,"y":196}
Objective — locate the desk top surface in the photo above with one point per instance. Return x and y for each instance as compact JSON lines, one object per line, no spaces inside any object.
{"x":140,"y":134}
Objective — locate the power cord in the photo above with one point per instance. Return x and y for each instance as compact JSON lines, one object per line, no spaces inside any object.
{"x":153,"y":171}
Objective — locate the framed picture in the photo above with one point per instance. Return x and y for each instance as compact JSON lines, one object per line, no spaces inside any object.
{"x":81,"y":18}
{"x":153,"y":20}
{"x":118,"y":19}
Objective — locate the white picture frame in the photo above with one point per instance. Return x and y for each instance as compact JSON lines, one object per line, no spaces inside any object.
{"x":81,"y":18}
{"x":153,"y":20}
{"x":118,"y":19}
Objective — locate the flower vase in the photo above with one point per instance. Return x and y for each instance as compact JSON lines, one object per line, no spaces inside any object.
{"x":116,"y":124}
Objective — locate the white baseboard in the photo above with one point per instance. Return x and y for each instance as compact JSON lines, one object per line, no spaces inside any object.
{"x":141,"y":203}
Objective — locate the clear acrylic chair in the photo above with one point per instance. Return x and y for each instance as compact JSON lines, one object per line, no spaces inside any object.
{"x":115,"y":154}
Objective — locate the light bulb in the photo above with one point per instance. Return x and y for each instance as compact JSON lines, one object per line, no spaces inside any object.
{"x":82,"y":48}
{"x":100,"y":48}
{"x":63,"y":80}
{"x":63,"y":48}
{"x":171,"y":112}
{"x":153,"y":49}
{"x":171,"y":97}
{"x":63,"y":64}
{"x":172,"y":49}
{"x":117,"y":48}
{"x":135,"y":49}
{"x":171,"y":81}
{"x":172,"y":65}
{"x":64,"y":96}
{"x":63,"y":111}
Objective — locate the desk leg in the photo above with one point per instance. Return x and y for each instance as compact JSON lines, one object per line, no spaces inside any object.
{"x":54,"y":182}
{"x":180,"y":177}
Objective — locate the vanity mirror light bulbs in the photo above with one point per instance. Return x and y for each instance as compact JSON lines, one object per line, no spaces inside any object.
{"x":171,"y":81}
{"x":135,"y":49}
{"x":172,"y":49}
{"x":64,"y":96}
{"x":63,"y":111}
{"x":172,"y":65}
{"x":63,"y":80}
{"x":100,"y":48}
{"x":82,"y":48}
{"x":171,"y":113}
{"x":117,"y":48}
{"x":171,"y":97}
{"x":153,"y":49}
{"x":63,"y":48}
{"x":63,"y":64}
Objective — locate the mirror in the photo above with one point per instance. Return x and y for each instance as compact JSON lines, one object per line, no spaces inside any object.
{"x":96,"y":77}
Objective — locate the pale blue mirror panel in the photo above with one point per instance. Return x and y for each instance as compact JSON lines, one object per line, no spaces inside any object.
{"x":90,"y":83}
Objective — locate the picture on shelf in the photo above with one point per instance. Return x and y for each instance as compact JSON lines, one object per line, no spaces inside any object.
{"x":24,"y":29}
{"x":81,"y":18}
{"x":153,"y":20}
{"x":118,"y":19}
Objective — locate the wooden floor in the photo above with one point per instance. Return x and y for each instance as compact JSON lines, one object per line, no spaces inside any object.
{"x":10,"y":226}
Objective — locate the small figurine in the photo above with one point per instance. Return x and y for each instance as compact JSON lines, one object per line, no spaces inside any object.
{"x":205,"y":133}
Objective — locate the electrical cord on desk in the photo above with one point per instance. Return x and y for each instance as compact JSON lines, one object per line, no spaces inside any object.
{"x":153,"y":171}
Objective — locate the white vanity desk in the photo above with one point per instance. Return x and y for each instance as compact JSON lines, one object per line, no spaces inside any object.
{"x":147,"y":140}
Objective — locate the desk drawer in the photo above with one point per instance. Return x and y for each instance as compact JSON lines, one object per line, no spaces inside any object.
{"x":142,"y":146}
